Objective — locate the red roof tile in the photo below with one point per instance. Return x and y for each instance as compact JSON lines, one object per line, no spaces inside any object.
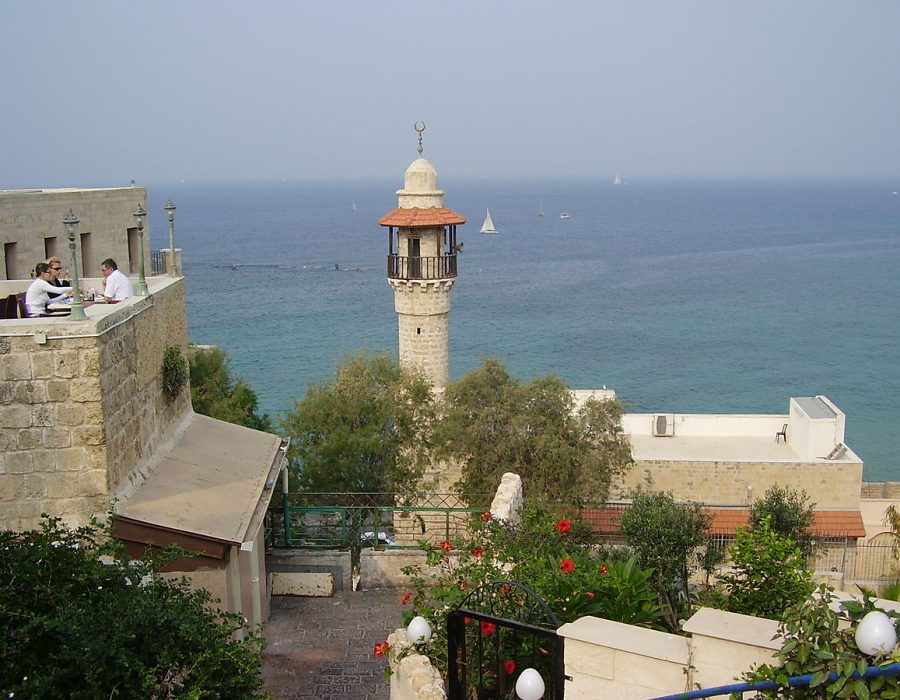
{"x":421,"y":218}
{"x":829,"y":523}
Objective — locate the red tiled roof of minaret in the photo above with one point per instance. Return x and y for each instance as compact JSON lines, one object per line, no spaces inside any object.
{"x":421,"y":218}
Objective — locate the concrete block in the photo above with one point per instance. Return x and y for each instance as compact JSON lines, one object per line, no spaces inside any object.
{"x":305,"y":584}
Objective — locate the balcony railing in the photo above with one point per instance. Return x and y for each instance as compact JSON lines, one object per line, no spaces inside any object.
{"x":401,"y":267}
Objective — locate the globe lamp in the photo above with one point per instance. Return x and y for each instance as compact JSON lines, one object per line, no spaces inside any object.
{"x":875,"y":634}
{"x":418,"y":630}
{"x":530,"y":685}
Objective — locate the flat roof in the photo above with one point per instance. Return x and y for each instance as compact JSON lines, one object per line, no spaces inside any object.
{"x":703,"y":448}
{"x":209,"y":483}
{"x":814,"y":407}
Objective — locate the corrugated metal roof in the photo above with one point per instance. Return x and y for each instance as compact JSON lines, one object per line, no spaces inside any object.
{"x":209,"y":484}
{"x":421,"y":218}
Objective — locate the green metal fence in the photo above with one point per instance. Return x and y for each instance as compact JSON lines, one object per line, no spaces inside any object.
{"x":386,"y":520}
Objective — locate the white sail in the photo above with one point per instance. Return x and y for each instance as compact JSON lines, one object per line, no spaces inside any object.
{"x":618,"y":180}
{"x":488,"y":225}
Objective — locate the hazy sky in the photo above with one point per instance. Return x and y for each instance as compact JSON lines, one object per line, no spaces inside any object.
{"x":98,"y":93}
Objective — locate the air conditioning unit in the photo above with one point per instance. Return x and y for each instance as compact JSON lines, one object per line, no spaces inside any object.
{"x":664,"y":424}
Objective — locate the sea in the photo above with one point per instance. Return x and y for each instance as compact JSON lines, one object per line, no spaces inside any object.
{"x":724,"y":296}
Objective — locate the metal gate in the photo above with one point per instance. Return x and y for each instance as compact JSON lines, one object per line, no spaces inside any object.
{"x":499,"y":630}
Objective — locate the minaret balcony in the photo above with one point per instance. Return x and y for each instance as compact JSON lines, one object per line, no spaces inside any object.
{"x":420,"y":267}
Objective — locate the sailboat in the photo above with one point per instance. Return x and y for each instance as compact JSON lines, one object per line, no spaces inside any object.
{"x":618,"y":180}
{"x":541,"y":212}
{"x":488,"y":225}
{"x":353,"y":206}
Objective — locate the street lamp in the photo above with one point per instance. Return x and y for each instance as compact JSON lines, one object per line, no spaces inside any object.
{"x":70,"y":221}
{"x":172,"y":267}
{"x":141,"y":286}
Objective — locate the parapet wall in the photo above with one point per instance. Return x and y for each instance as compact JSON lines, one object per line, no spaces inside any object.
{"x":81,"y":405}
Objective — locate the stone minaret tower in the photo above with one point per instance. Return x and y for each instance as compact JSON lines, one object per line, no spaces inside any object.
{"x":421,"y":268}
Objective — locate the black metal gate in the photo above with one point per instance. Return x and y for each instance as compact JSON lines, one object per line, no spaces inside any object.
{"x":499,"y":630}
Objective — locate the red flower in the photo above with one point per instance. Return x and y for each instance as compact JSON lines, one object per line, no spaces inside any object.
{"x":543,"y":651}
{"x":463,"y":585}
{"x":467,"y":620}
{"x":406,"y":597}
{"x":603,"y":569}
{"x":567,"y":566}
{"x":477,"y":552}
{"x":564,"y":526}
{"x":486,"y":516}
{"x":446,"y":546}
{"x":509,"y":666}
{"x":590,"y":594}
{"x":488,"y":628}
{"x":446,"y":560}
{"x":381,"y":649}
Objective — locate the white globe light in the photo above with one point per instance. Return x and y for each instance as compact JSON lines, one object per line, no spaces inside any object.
{"x":418,"y":630}
{"x":876,"y":634}
{"x":530,"y":685}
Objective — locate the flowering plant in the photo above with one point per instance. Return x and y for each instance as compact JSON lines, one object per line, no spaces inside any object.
{"x":559,"y":559}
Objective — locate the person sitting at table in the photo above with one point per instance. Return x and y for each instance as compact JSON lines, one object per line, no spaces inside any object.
{"x":118,"y":286}
{"x":38,"y":295}
{"x":55,"y":269}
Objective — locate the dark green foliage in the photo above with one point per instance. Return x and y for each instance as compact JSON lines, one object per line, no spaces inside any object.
{"x":74,"y":627}
{"x":817,"y":641}
{"x":790,"y":513}
{"x":216,"y":393}
{"x":494,"y":424}
{"x":368,"y":431}
{"x":768,"y":573}
{"x":174,"y":372}
{"x":665,"y":535}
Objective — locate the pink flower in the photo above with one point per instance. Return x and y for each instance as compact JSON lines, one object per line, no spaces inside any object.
{"x":477,"y":552}
{"x":487,"y":516}
{"x":509,"y":666}
{"x":446,"y":546}
{"x":406,"y":597}
{"x":603,"y":569}
{"x":564,"y":526}
{"x":488,"y":628}
{"x":381,"y":649}
{"x":567,"y":566}
{"x":590,"y":594}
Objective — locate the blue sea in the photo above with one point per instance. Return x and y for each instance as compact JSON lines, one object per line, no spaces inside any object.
{"x":684,"y":296}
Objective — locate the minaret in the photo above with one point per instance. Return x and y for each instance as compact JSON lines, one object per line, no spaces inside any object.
{"x":421,"y":268}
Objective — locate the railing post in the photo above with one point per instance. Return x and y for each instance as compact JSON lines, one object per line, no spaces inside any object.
{"x":287,"y":507}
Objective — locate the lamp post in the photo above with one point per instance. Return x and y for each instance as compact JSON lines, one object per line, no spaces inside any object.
{"x":141,"y":286}
{"x":172,"y":268}
{"x":70,"y":221}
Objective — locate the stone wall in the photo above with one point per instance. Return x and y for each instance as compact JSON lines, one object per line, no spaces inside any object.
{"x":422,"y":310}
{"x":830,"y":484}
{"x":32,"y":220}
{"x":81,"y":405}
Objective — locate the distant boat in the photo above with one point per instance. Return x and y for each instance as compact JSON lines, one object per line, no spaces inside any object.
{"x":564,"y":215}
{"x":618,"y":180}
{"x":353,"y":206}
{"x":488,"y":225}
{"x":541,"y":212}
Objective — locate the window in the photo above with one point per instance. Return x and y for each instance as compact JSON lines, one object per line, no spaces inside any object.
{"x":9,"y":254}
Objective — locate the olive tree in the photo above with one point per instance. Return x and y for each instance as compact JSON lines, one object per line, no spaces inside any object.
{"x":492,"y":423}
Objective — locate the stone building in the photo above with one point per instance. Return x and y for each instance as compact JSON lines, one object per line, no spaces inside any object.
{"x":31,"y":230}
{"x":85,"y":427}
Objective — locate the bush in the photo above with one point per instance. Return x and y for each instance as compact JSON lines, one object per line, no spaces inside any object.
{"x":72,"y":626}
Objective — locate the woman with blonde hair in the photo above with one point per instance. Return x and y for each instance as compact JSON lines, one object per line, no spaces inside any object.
{"x":55,"y":265}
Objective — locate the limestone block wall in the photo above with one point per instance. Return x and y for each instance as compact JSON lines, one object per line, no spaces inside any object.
{"x":28,"y":218}
{"x":830,"y":484}
{"x":422,"y":312}
{"x":81,"y":406}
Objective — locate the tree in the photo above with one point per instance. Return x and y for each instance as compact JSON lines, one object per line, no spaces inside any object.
{"x":368,"y":431}
{"x":493,"y":423}
{"x":216,"y":393}
{"x":790,"y":514}
{"x":666,"y":534}
{"x":768,"y":574}
{"x":77,"y":627}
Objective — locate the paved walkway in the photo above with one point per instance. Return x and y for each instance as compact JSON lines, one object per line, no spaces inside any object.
{"x":322,"y":647}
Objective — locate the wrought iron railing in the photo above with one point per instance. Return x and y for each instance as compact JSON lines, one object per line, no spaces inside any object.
{"x":438,"y":267}
{"x":792,"y":682}
{"x":156,"y":262}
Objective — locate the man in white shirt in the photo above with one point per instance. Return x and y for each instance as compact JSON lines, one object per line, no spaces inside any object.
{"x":118,"y":286}
{"x":38,"y":295}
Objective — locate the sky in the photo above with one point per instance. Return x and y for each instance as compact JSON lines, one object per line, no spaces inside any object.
{"x":100,"y":93}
